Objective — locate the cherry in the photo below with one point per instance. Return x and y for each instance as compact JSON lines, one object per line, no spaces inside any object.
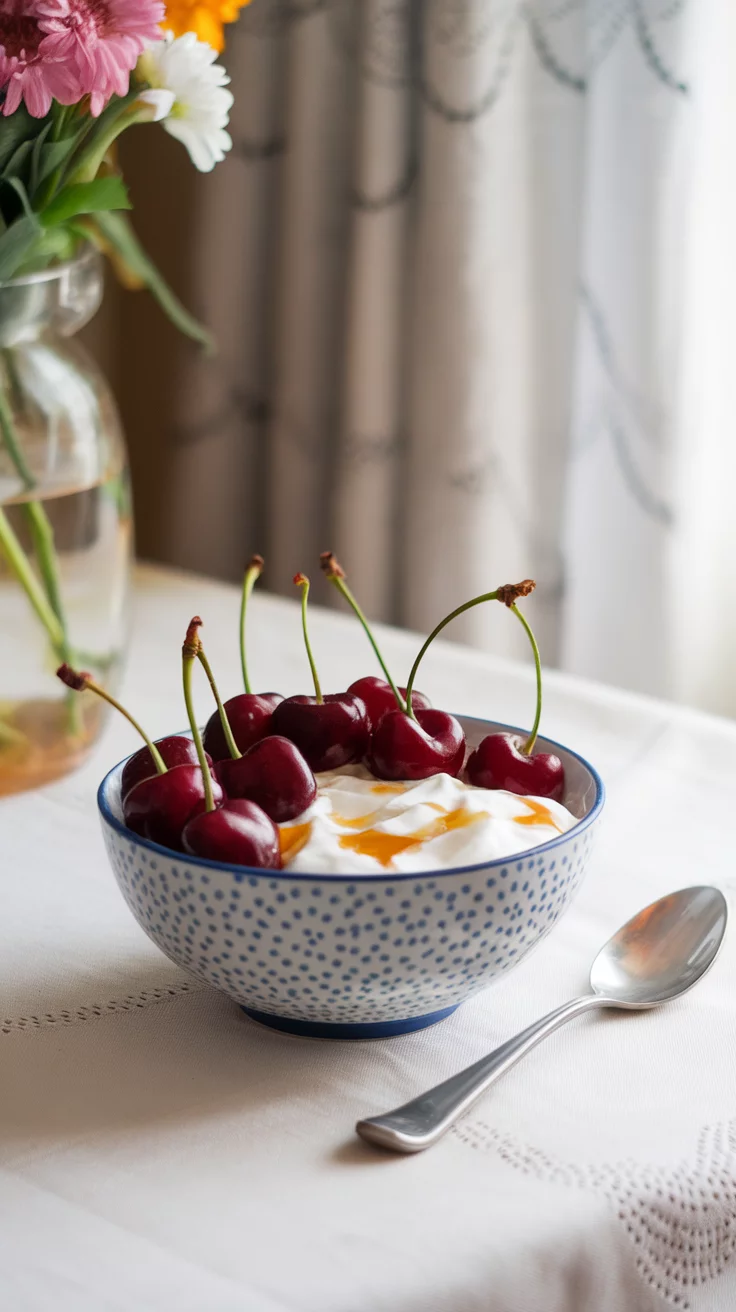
{"x":379,"y":698}
{"x":329,"y":731}
{"x":159,"y":805}
{"x":237,"y":833}
{"x":174,"y":750}
{"x":507,"y":760}
{"x":429,"y":742}
{"x":249,"y":713}
{"x":274,"y":774}
{"x":501,"y":761}
{"x":403,"y":747}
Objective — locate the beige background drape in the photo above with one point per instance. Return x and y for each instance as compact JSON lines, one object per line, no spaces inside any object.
{"x":470,"y":267}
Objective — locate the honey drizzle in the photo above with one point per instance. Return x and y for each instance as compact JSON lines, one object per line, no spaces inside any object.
{"x":293,"y":839}
{"x":383,"y":847}
{"x":357,"y":822}
{"x":364,"y":821}
{"x":539,"y":814}
{"x":388,"y":788}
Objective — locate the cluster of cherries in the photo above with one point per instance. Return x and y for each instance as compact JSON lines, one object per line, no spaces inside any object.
{"x":221,"y":794}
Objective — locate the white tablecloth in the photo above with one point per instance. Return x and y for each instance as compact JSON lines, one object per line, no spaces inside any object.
{"x":158,"y":1151}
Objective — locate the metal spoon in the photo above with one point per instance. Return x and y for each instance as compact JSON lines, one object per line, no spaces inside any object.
{"x":653,"y":958}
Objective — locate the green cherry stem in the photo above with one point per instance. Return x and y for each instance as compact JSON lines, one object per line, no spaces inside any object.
{"x":189,"y":653}
{"x":232,"y":746}
{"x":301,"y":581}
{"x":332,"y":569}
{"x":252,"y":574}
{"x":508,"y":594}
{"x":83,"y":682}
{"x":528,"y":746}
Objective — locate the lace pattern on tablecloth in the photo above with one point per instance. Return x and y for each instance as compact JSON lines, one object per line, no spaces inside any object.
{"x":680,"y":1219}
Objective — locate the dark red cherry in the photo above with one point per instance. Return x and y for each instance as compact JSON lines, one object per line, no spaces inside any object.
{"x":250,"y":720}
{"x":175,"y":750}
{"x":499,"y":762}
{"x":378,"y":698}
{"x":402,"y":748}
{"x":238,"y":833}
{"x":158,"y":807}
{"x":329,"y":733}
{"x":274,"y":774}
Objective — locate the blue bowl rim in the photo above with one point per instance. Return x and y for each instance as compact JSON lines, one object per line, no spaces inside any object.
{"x":242,"y":872}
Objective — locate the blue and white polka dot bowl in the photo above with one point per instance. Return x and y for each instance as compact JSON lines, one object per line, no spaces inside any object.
{"x":345,"y":957}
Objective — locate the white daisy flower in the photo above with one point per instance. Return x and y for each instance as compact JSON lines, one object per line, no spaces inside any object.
{"x":188,"y":92}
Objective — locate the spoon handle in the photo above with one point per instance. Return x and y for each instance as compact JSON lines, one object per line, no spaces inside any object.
{"x":421,"y":1122}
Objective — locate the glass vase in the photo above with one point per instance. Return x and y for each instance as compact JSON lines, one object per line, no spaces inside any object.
{"x":65,"y":524}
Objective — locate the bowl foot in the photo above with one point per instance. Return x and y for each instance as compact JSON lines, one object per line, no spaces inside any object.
{"x":380,"y":1029}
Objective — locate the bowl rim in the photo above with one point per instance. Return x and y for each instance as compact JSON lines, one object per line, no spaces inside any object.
{"x":396,"y":876}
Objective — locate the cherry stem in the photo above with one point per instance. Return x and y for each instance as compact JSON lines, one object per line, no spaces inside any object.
{"x":459,"y":610}
{"x":252,"y":574}
{"x":508,"y":594}
{"x":302,"y":582}
{"x":334,"y":572}
{"x":189,"y":653}
{"x":83,"y":682}
{"x":232,"y":746}
{"x":529,"y":744}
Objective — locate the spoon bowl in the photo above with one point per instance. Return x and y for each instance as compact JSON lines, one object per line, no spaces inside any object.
{"x":663,"y":950}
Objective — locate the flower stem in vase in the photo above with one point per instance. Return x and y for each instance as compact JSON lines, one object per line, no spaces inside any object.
{"x":42,"y":537}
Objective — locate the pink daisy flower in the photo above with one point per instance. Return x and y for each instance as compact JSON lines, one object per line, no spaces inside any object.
{"x":25,"y":71}
{"x":100,"y":39}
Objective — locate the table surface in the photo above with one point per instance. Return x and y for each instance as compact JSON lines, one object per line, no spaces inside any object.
{"x":158,"y":1151}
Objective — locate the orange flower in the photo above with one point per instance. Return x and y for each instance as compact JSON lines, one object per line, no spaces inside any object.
{"x":203,"y":17}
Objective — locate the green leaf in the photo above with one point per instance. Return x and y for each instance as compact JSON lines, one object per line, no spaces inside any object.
{"x":16,"y":165}
{"x":53,"y":154}
{"x":53,"y":158}
{"x":17,"y":127}
{"x":21,"y":192}
{"x":20,"y":236}
{"x":34,"y":178}
{"x":16,"y":242}
{"x":117,"y":232}
{"x":51,"y":245}
{"x":108,"y":193}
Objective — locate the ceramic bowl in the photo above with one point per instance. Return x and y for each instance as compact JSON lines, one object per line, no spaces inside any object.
{"x":346,"y":956}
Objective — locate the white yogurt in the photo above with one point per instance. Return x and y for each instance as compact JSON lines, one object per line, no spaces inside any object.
{"x":363,"y":826}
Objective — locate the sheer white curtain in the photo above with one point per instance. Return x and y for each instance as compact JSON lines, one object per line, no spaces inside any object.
{"x":471,"y":267}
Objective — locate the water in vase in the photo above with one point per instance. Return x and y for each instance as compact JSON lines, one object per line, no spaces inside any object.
{"x":44,"y":729}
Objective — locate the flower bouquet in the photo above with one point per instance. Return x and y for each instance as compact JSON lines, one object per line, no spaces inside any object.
{"x":75,"y":75}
